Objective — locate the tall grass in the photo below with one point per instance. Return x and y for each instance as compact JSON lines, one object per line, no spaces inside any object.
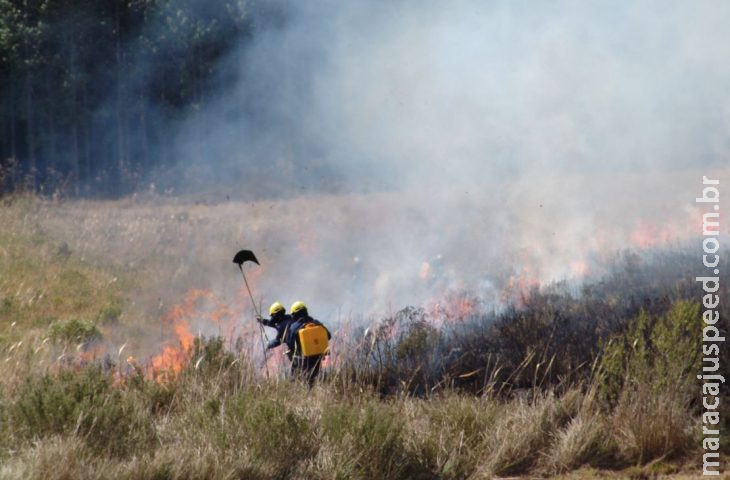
{"x":567,"y":383}
{"x":223,"y":420}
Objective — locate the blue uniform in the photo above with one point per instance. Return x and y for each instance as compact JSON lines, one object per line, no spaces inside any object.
{"x":281,"y":326}
{"x":306,"y":366}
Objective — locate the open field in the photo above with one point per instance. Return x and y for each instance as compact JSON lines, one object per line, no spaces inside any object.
{"x":465,"y":390}
{"x":505,"y":213}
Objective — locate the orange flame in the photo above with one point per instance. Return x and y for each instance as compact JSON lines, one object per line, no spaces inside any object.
{"x":647,"y":234}
{"x":520,"y":285}
{"x":451,"y":309}
{"x":171,"y":361}
{"x":89,"y":354}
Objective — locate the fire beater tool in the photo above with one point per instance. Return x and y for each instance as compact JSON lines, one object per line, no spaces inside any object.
{"x":239,"y":259}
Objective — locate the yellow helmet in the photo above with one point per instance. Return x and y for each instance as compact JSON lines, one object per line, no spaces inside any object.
{"x":297,"y":307}
{"x":275,"y":308}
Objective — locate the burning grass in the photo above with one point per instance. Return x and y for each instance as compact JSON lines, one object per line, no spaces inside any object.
{"x":566,"y":381}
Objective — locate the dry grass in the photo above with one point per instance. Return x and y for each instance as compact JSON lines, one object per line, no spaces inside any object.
{"x":64,"y":418}
{"x":235,"y":425}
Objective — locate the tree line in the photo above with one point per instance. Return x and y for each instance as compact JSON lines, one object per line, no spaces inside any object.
{"x":90,"y":88}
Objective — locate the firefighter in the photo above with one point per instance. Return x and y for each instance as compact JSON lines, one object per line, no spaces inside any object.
{"x":306,"y":366}
{"x":278,"y":320}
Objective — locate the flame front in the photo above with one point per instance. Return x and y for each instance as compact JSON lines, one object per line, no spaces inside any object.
{"x":173,"y":358}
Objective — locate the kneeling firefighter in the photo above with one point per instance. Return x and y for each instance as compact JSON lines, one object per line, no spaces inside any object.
{"x":278,"y":320}
{"x":308,"y":342}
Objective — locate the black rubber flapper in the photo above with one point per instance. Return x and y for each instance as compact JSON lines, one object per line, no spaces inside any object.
{"x":245,"y":256}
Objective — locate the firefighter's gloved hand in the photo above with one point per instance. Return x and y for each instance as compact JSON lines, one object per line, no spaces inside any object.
{"x":259,"y":319}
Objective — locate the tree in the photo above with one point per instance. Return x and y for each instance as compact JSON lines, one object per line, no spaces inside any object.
{"x":90,"y":88}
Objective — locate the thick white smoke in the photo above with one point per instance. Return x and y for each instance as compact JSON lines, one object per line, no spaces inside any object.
{"x":508,"y":138}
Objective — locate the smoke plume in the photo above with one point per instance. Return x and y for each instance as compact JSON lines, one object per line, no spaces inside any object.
{"x":464,"y":145}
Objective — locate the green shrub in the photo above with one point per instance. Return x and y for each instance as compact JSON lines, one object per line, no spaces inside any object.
{"x":82,"y":403}
{"x":74,"y":331}
{"x":660,"y":353}
{"x":110,"y":314}
{"x":210,"y":356}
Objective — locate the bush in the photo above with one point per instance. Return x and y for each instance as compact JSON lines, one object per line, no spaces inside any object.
{"x":209,"y":356}
{"x":82,"y":403}
{"x":110,"y":314}
{"x":401,"y":354}
{"x":659,"y":353}
{"x":74,"y":331}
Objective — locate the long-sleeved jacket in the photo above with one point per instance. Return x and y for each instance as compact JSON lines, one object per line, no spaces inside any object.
{"x":292,"y":338}
{"x":280,"y":326}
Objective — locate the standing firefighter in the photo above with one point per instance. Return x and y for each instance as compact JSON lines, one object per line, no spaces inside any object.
{"x":278,"y":320}
{"x":308,"y":342}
